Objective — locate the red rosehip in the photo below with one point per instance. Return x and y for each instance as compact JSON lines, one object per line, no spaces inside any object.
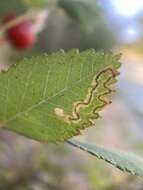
{"x":22,"y":35}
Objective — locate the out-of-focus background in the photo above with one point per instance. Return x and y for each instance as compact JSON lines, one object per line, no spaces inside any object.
{"x":110,"y":25}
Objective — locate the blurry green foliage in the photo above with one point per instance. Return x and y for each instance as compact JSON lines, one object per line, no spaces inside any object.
{"x":84,"y":26}
{"x":86,"y":12}
{"x":36,"y":3}
{"x":12,"y":6}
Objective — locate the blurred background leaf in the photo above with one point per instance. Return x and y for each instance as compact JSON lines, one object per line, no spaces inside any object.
{"x":10,"y":7}
{"x":36,"y":3}
{"x":86,"y":12}
{"x":124,"y":161}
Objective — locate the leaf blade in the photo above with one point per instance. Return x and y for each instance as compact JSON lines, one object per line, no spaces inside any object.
{"x":37,"y":91}
{"x":124,"y":161}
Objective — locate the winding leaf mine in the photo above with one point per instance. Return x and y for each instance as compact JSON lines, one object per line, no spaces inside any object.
{"x":89,"y":99}
{"x":51,"y":98}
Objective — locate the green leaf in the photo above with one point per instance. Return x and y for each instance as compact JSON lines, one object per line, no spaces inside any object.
{"x":124,"y":161}
{"x":36,"y":3}
{"x":52,"y":97}
{"x":86,"y":12}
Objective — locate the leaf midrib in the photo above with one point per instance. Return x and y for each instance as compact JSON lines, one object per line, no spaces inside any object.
{"x":44,"y":101}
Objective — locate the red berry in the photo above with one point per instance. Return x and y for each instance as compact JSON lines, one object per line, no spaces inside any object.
{"x":22,"y":35}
